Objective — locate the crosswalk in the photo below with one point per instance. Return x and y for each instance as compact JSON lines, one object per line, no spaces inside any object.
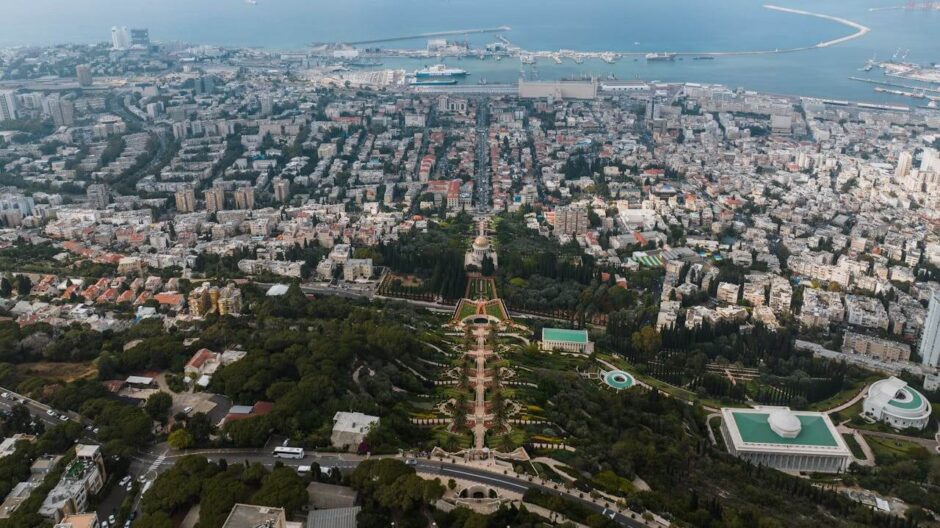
{"x":157,"y":462}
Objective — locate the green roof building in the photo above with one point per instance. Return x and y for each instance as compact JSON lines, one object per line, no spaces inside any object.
{"x":797,"y":441}
{"x":573,"y":341}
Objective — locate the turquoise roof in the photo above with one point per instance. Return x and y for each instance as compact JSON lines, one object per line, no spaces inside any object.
{"x":567,"y":336}
{"x":914,"y":401}
{"x":755,"y":429}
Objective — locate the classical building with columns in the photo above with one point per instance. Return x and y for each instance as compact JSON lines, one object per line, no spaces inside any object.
{"x":796,"y":441}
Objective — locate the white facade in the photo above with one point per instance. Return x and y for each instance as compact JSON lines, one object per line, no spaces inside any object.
{"x":930,"y":339}
{"x":779,"y":442}
{"x":7,"y":105}
{"x":893,"y":402}
{"x":351,"y":428}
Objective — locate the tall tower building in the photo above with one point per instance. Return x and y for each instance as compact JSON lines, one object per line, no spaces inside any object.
{"x":215,"y":199}
{"x":140,"y":38}
{"x":83,"y":72}
{"x":98,"y":195}
{"x":905,"y":160}
{"x":120,"y":38}
{"x":930,"y":162}
{"x":186,"y":200}
{"x":930,"y":339}
{"x":7,"y":105}
{"x":245,"y":198}
{"x":281,"y":189}
{"x":62,"y":110}
{"x":267,"y":104}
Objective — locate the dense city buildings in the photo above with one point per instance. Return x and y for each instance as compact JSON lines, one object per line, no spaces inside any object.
{"x":359,"y":272}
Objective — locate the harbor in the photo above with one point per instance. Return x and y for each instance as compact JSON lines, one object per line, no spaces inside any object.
{"x":502,"y":48}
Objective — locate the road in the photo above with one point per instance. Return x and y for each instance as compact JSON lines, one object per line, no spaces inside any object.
{"x":38,"y":410}
{"x":483,"y":175}
{"x":147,"y":465}
{"x":150,"y":466}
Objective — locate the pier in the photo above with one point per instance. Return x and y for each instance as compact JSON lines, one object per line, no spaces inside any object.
{"x":896,"y":85}
{"x":860,"y":29}
{"x":437,"y":34}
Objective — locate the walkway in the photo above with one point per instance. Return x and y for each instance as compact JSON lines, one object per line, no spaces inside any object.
{"x":860,"y":440}
{"x":861,"y":394}
{"x":478,"y":381}
{"x":930,"y":444}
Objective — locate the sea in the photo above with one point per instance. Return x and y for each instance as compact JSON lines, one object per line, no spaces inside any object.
{"x":633,"y":26}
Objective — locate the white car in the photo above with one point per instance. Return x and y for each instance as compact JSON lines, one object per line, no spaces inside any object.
{"x":63,"y":417}
{"x":129,"y":487}
{"x":187,"y":410}
{"x":5,"y":394}
{"x":111,"y":520}
{"x":50,"y":412}
{"x":103,"y":524}
{"x":125,"y":480}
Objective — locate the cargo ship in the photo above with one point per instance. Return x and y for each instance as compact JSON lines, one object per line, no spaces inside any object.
{"x":439,"y":71}
{"x":660,"y":56}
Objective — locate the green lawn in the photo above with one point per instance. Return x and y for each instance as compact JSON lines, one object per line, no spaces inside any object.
{"x":845,"y":395}
{"x":888,"y":450}
{"x":495,"y":310}
{"x":466,"y":310}
{"x":853,"y":446}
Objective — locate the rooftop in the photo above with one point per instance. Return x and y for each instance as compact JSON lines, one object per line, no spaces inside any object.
{"x":567,"y":336}
{"x":754,"y":427}
{"x":252,"y":516}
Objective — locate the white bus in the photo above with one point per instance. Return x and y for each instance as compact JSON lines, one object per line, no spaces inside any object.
{"x":288,"y":452}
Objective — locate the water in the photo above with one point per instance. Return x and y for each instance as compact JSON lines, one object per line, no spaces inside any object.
{"x":588,"y":25}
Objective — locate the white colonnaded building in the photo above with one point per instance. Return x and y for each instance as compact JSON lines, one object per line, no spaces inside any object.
{"x":895,"y":403}
{"x":575,"y":341}
{"x":786,"y":440}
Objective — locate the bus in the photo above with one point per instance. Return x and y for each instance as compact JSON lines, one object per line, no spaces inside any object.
{"x":288,"y":452}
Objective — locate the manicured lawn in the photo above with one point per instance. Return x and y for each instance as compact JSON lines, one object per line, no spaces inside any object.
{"x":844,"y":395}
{"x":466,"y":310}
{"x":495,"y":310}
{"x":853,"y":446}
{"x":888,"y":450}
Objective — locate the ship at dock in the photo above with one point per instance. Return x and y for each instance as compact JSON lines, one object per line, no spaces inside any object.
{"x":440,"y":71}
{"x":660,"y":57}
{"x":432,"y":81}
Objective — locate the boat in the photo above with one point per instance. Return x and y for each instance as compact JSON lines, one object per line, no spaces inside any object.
{"x":527,"y":59}
{"x":703,"y":57}
{"x":439,"y":70}
{"x":432,"y":82}
{"x":664,"y":56}
{"x":368,"y":63}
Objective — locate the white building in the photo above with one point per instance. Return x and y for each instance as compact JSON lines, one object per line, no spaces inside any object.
{"x":357,"y":269}
{"x":786,"y":440}
{"x":84,"y":477}
{"x":893,"y":402}
{"x":566,"y":340}
{"x":480,"y":250}
{"x":930,"y":339}
{"x":350,"y":429}
{"x":7,"y":105}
